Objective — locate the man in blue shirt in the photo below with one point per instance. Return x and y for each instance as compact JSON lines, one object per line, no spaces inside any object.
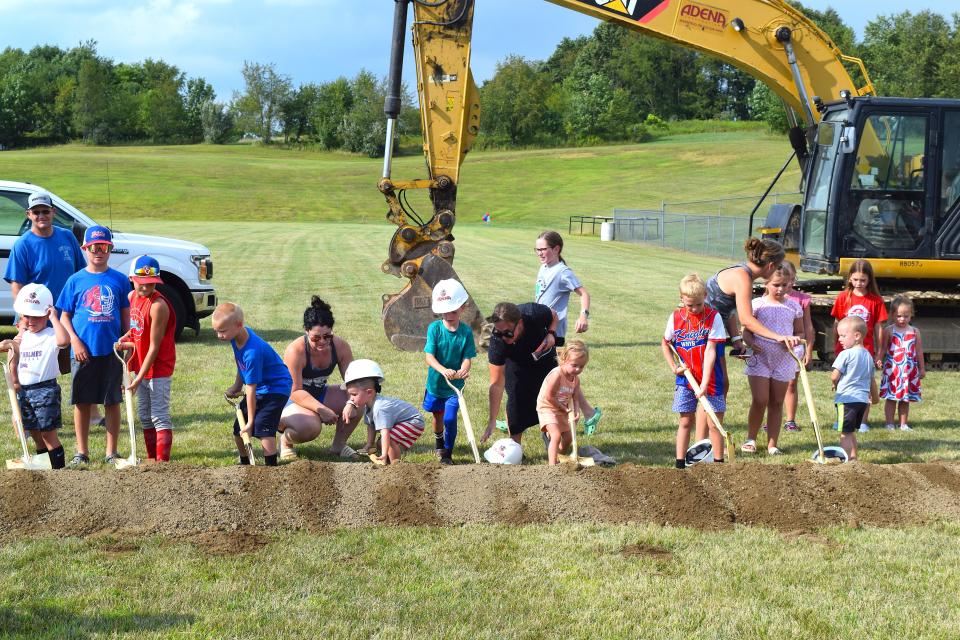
{"x":45,"y":254}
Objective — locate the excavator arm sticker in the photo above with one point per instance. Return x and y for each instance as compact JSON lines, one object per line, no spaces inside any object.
{"x":639,"y":10}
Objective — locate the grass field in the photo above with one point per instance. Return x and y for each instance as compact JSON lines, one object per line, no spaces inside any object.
{"x":577,"y":581}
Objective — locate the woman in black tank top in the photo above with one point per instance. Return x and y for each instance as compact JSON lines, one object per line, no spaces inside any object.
{"x":314,"y":402}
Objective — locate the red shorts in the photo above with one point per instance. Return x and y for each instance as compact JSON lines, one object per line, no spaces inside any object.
{"x":406,"y":433}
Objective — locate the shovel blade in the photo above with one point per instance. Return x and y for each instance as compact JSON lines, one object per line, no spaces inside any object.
{"x":39,"y":462}
{"x":126,"y":463}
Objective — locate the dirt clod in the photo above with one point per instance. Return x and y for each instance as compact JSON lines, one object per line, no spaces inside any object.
{"x":645,"y":551}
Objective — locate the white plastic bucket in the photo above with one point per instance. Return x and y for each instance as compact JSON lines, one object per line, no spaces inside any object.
{"x":607,"y":231}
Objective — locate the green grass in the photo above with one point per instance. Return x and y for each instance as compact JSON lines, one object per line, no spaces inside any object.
{"x":243,"y":182}
{"x":476,"y":581}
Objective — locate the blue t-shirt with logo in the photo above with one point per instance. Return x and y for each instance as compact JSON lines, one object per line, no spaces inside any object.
{"x":95,"y":302}
{"x":47,"y":261}
{"x":259,"y":365}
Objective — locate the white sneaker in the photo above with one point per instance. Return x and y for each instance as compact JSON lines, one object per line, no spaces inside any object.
{"x":863,"y":427}
{"x":906,"y":427}
{"x":891,"y":426}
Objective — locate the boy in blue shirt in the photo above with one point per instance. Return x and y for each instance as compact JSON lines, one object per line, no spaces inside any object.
{"x":853,"y":381}
{"x":448,"y":351}
{"x":95,"y":312}
{"x":268,"y":382}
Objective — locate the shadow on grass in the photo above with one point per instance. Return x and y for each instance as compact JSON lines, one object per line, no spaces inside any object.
{"x":44,"y":621}
{"x":617,"y":345}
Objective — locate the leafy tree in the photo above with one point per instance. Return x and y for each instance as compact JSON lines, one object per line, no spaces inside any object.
{"x":161,"y":112}
{"x":334,"y":101}
{"x":295,"y":112}
{"x":258,"y":108}
{"x":199,"y":92}
{"x":515,"y":102}
{"x":364,"y":127}
{"x":92,"y":105}
{"x":904,"y":54}
{"x":217,"y":122}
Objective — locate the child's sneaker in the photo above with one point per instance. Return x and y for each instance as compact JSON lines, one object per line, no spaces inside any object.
{"x":79,"y":460}
{"x":791,"y":425}
{"x":906,"y":427}
{"x":112,"y":458}
{"x":891,"y":427}
{"x":864,"y":427}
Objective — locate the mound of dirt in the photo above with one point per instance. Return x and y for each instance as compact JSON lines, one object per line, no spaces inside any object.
{"x":229,"y":509}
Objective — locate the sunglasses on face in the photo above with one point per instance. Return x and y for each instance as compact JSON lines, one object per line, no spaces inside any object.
{"x":41,"y":212}
{"x":98,"y":248}
{"x":325,"y":337}
{"x":506,"y":333}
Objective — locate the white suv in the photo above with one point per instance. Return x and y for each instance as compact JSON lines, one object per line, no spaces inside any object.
{"x":186,"y":267}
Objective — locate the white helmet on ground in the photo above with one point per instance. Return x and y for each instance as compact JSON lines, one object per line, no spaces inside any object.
{"x":504,"y":451}
{"x":448,"y":295}
{"x":360,"y":369}
{"x":699,"y":451}
{"x":33,"y":300}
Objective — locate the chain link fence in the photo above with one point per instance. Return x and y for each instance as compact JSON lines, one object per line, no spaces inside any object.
{"x":709,"y":227}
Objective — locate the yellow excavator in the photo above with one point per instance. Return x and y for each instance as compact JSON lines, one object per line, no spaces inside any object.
{"x":881,"y":176}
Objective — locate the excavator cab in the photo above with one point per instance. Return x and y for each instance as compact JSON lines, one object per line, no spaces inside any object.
{"x":882,"y":183}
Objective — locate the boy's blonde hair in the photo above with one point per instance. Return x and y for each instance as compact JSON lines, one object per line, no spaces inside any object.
{"x":228,"y":312}
{"x":854,"y":323}
{"x":693,"y":287}
{"x":572,"y":350}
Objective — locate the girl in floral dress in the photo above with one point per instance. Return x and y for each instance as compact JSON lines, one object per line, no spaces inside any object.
{"x":902,"y":364}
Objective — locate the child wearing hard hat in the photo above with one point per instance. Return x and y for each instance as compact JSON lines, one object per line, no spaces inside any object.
{"x":34,"y":368}
{"x":449,"y":350}
{"x":399,"y":422}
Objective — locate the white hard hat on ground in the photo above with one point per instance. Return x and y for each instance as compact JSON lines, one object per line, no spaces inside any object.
{"x":33,"y":300}
{"x":504,"y":451}
{"x":448,"y":295}
{"x":700,"y":451}
{"x":360,"y":369}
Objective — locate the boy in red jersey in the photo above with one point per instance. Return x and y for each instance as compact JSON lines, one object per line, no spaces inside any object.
{"x":695,"y":330}
{"x":152,"y":327}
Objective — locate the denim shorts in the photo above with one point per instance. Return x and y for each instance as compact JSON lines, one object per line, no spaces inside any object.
{"x":685,"y":400}
{"x":40,"y":406}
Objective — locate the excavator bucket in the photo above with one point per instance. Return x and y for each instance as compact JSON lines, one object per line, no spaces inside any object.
{"x":406,"y":315}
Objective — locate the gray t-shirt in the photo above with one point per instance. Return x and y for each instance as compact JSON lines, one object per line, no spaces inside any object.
{"x":387,"y":411}
{"x":553,"y":288}
{"x":856,"y":373}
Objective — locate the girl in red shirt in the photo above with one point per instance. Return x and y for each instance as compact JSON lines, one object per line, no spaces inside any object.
{"x":862,"y":299}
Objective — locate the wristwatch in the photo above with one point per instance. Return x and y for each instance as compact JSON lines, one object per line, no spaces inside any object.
{"x":585,"y":313}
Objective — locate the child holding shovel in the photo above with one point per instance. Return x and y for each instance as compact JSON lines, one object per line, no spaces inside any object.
{"x":560,"y":396}
{"x":449,"y":350}
{"x":153,"y":324}
{"x":694,"y":330}
{"x":34,"y":369}
{"x":268,"y":382}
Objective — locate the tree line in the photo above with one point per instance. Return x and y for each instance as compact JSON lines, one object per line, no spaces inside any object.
{"x":611,"y":85}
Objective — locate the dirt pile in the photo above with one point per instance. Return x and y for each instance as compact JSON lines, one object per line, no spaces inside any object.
{"x":217,"y":507}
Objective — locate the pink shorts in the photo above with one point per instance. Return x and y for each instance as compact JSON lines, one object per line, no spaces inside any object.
{"x":550,"y":417}
{"x":773,"y":362}
{"x":406,"y":433}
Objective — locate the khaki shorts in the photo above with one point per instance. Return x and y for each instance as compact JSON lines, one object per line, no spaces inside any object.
{"x":552,"y":417}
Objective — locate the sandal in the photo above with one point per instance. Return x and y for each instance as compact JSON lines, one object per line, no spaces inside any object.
{"x":773,"y":451}
{"x":348,"y":453}
{"x":590,"y":424}
{"x":750,"y":446}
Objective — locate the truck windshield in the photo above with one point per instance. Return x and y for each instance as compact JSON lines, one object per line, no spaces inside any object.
{"x":818,"y":189}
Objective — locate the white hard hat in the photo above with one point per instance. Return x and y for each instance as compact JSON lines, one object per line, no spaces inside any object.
{"x":448,"y":295}
{"x":360,"y":369}
{"x":700,"y":451}
{"x":33,"y":300}
{"x":504,"y":451}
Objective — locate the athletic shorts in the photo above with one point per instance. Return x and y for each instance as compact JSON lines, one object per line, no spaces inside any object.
{"x":40,"y":406}
{"x":98,"y":380}
{"x":850,"y":415}
{"x":266,"y":418}
{"x":685,"y":400}
{"x":449,"y":406}
{"x":406,"y":433}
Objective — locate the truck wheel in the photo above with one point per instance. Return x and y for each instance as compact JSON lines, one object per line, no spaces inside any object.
{"x":179,"y":308}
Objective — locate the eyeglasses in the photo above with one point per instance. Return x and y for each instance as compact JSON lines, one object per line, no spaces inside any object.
{"x":507,"y":333}
{"x":325,"y":337}
{"x":41,"y":212}
{"x":98,"y":248}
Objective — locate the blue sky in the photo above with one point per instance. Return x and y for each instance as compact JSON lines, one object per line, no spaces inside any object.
{"x":308,"y":40}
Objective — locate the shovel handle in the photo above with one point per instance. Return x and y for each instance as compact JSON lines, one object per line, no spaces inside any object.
{"x":574,"y":454}
{"x":466,"y":421}
{"x":704,"y":403}
{"x":808,"y":397}
{"x":241,"y":421}
{"x":15,"y":407}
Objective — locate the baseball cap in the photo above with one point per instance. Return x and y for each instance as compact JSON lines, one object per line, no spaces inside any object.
{"x":33,"y":300}
{"x":145,"y":270}
{"x":41,"y":197}
{"x":97,"y":235}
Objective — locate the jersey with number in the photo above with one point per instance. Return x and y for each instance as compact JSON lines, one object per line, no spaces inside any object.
{"x":690,"y":334}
